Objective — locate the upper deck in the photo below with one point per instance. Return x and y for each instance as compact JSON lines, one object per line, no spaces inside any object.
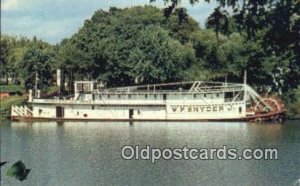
{"x":190,"y":87}
{"x":89,"y":92}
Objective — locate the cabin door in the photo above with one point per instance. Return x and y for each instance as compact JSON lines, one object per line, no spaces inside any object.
{"x":130,"y":113}
{"x":60,"y":112}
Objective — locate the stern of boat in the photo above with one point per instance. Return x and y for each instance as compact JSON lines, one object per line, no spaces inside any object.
{"x":268,"y":108}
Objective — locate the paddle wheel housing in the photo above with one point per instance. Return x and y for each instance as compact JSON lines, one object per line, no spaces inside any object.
{"x":268,"y":108}
{"x":273,"y":104}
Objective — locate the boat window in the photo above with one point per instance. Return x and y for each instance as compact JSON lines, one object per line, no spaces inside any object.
{"x":119,"y":96}
{"x":205,"y":95}
{"x":40,"y":111}
{"x":155,"y":96}
{"x":79,"y":87}
{"x":86,"y":87}
{"x":164,"y":96}
{"x":93,"y":107}
{"x":129,"y":95}
{"x":146,"y":96}
{"x":240,"y":110}
{"x":228,"y":96}
{"x":218,"y":95}
{"x":195,"y":95}
{"x":84,"y":115}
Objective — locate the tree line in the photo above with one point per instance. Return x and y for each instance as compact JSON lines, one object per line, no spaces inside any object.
{"x":144,"y":44}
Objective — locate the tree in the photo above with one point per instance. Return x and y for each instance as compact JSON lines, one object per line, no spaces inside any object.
{"x":131,"y":45}
{"x":218,"y":21}
{"x":270,"y":26}
{"x":37,"y":65}
{"x":4,"y":50}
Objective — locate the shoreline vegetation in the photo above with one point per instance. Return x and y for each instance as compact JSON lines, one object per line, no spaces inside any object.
{"x":293,"y":109}
{"x":145,"y":45}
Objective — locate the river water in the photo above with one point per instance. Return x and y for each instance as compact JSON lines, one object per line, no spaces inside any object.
{"x":89,"y":153}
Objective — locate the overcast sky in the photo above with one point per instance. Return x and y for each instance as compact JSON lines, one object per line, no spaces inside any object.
{"x":53,"y":20}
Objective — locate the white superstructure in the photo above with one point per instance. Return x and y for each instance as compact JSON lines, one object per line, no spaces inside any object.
{"x":172,"y":101}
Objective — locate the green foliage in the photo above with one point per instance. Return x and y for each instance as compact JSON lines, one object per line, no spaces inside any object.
{"x":271,"y":48}
{"x":4,"y":57}
{"x":25,"y":58}
{"x":127,"y":46}
{"x":293,"y":110}
{"x":11,"y":88}
{"x":224,"y":56}
{"x":36,"y":61}
{"x":52,"y":90}
{"x":218,"y":21}
{"x":18,"y":170}
{"x":156,"y":57}
{"x":13,"y":48}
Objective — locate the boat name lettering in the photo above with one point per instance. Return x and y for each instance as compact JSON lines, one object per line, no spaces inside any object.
{"x":202,"y":108}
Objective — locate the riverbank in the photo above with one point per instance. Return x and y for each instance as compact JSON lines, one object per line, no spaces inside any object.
{"x":18,"y":99}
{"x":10,"y":95}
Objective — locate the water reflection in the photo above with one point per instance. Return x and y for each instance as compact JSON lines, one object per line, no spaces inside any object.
{"x":89,"y":153}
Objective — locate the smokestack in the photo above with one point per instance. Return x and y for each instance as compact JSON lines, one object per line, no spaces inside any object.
{"x":58,"y":77}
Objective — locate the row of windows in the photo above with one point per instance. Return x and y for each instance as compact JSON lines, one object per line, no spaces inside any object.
{"x":207,"y":95}
{"x":129,"y":96}
{"x":226,"y":104}
{"x":155,"y":96}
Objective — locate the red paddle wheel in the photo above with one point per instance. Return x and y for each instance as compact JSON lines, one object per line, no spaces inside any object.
{"x":271,"y":108}
{"x":267,"y":105}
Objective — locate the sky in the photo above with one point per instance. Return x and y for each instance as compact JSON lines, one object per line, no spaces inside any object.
{"x":54,"y":20}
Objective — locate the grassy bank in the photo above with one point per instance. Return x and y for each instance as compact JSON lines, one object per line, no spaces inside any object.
{"x":5,"y":105}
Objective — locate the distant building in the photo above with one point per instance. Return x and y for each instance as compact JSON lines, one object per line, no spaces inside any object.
{"x":4,"y":95}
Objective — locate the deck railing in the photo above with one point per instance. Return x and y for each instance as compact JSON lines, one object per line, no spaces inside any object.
{"x":216,"y":89}
{"x":22,"y":111}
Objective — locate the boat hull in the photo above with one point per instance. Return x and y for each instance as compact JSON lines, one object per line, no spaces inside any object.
{"x":255,"y":118}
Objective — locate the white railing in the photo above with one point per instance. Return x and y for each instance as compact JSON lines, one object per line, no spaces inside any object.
{"x":102,"y":102}
{"x":22,"y":111}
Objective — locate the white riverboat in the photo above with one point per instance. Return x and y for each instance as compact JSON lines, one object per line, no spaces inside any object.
{"x":182,"y":101}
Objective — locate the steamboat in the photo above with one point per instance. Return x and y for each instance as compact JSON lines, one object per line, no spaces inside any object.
{"x":181,"y":101}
